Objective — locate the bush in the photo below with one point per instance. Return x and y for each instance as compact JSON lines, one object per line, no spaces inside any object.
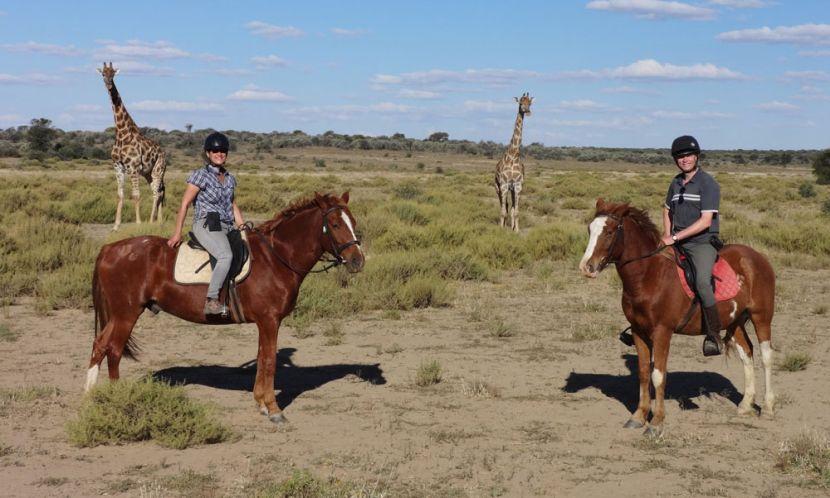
{"x":806,"y":190}
{"x":428,"y":373}
{"x":821,"y":168}
{"x":140,"y":410}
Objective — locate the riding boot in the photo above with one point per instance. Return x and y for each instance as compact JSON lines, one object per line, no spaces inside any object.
{"x":214,"y":307}
{"x":712,"y":345}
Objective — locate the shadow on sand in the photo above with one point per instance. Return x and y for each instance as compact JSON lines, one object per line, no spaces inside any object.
{"x":680,"y":386}
{"x":291,"y":380}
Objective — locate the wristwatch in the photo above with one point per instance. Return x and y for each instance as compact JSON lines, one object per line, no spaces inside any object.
{"x":674,"y":237}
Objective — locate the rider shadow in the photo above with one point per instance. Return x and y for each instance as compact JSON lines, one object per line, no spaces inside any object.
{"x":291,"y":380}
{"x":680,"y":386}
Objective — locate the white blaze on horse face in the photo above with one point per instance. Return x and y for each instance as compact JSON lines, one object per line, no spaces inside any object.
{"x":595,"y":229}
{"x":657,"y":378}
{"x":91,"y":377}
{"x":348,"y":223}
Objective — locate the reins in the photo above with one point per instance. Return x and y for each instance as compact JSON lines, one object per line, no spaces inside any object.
{"x":617,"y":234}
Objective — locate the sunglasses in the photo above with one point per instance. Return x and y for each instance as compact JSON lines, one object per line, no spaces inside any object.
{"x":216,"y":151}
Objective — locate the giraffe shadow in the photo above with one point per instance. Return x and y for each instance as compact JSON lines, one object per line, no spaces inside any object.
{"x":291,"y":380}
{"x":682,"y":387}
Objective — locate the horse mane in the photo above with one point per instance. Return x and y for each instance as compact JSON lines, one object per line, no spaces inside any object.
{"x":297,"y":205}
{"x":638,"y":216}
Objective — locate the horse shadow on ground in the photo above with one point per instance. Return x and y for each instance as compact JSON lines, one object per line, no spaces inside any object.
{"x":680,"y":386}
{"x":291,"y":380}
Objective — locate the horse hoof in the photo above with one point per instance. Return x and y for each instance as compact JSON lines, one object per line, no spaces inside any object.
{"x":263,"y":410}
{"x":768,"y":414}
{"x":278,"y":418}
{"x":633,"y":424}
{"x":653,"y":431}
{"x":745,"y":411}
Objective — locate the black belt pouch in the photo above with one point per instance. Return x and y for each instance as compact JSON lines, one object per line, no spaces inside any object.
{"x":212,"y":222}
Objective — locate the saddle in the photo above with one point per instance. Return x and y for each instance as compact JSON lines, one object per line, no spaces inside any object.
{"x":194,"y":265}
{"x":724,"y":279}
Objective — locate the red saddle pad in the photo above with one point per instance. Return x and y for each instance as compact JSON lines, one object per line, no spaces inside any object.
{"x":726,"y":281}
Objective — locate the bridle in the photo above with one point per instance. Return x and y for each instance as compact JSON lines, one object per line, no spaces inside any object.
{"x":335,"y":250}
{"x":618,"y":234}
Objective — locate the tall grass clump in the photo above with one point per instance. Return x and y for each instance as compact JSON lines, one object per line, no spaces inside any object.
{"x":808,"y":454}
{"x":144,"y":409}
{"x":44,"y":258}
{"x":304,"y":484}
{"x":795,"y":362}
{"x":428,"y":373}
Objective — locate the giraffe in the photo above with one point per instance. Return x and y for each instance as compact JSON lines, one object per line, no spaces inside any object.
{"x":133,"y":155}
{"x":510,"y":170}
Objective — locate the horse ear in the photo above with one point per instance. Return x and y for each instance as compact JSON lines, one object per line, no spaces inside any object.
{"x":600,"y":203}
{"x":345,"y":197}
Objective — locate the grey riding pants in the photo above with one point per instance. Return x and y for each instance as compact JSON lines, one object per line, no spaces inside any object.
{"x":703,"y":256}
{"x":218,"y":246}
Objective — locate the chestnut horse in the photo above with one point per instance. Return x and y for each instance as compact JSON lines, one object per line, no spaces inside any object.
{"x":655,"y":304}
{"x":135,"y":274}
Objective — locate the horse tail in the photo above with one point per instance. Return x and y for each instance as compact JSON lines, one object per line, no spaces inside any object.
{"x":97,"y":302}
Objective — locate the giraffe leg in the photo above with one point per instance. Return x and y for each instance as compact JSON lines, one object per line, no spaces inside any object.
{"x":503,"y":198}
{"x":157,"y":186}
{"x":119,"y":178}
{"x":136,"y":195}
{"x":514,"y":209}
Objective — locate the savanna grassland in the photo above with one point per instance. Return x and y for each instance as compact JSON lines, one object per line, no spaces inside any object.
{"x":464,"y":360}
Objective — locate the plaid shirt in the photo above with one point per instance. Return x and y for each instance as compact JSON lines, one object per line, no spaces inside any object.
{"x":213,"y":195}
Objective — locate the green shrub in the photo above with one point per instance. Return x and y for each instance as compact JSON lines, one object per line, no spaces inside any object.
{"x":795,"y":362}
{"x":428,"y":373}
{"x":806,"y":190}
{"x":821,"y":167}
{"x":407,"y":190}
{"x":139,"y":410}
{"x":807,"y":453}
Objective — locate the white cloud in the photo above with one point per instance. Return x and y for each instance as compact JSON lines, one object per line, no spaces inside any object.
{"x":812,"y":93}
{"x":348,"y":33}
{"x":491,"y":77}
{"x":28,"y":79}
{"x":260,"y":28}
{"x":627,"y":124}
{"x":265,"y":61}
{"x":488,"y":106}
{"x":777,"y":106}
{"x":42,"y":48}
{"x":654,"y":9}
{"x":741,"y":4}
{"x":650,"y":69}
{"x":807,"y":75}
{"x":212,"y":58}
{"x":230,"y":71}
{"x":681,"y":115}
{"x":814,"y":53}
{"x":11,"y":119}
{"x":582,"y":105}
{"x":87,"y":108}
{"x":256,"y":94}
{"x":142,"y":68}
{"x":175,"y":106}
{"x":408,"y":93}
{"x":140,"y":49}
{"x":803,"y":34}
{"x":628,"y":89}
{"x":390,"y":107}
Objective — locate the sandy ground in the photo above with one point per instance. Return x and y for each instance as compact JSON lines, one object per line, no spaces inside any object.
{"x":539,"y":413}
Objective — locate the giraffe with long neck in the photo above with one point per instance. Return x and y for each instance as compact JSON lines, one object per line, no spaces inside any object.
{"x":510,"y":170}
{"x":133,"y":155}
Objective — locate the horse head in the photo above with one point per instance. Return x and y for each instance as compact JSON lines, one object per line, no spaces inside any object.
{"x":608,"y":238}
{"x":338,"y":237}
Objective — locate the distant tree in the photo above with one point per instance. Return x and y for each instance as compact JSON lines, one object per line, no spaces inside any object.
{"x":188,"y":127}
{"x":439,"y":136}
{"x":821,"y":168}
{"x":39,"y":136}
{"x":398,"y":136}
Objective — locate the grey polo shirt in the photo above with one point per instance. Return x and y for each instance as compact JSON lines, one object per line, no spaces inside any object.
{"x":686,"y":203}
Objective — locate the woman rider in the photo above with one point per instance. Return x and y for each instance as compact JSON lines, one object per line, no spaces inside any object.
{"x":211,"y":189}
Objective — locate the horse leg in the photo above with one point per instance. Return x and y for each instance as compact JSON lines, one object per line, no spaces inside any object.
{"x":640,"y":416}
{"x":99,"y":350}
{"x":120,"y":334}
{"x":743,"y":346}
{"x":266,"y":369}
{"x":763,"y":331}
{"x":661,"y":338}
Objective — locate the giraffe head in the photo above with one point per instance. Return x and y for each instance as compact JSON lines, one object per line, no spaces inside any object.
{"x":108,"y":72}
{"x":524,"y":103}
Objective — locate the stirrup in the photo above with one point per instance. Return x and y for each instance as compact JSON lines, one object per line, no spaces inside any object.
{"x":711,"y":346}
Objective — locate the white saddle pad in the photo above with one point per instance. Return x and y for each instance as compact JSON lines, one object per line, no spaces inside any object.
{"x":188,"y":260}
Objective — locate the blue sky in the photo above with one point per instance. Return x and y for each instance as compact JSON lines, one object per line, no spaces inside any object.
{"x":617,"y":73}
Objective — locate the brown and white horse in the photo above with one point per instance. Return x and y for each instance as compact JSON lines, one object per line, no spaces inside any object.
{"x":655,"y":305}
{"x":135,"y":274}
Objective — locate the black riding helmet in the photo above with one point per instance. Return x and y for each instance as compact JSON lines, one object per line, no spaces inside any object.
{"x":684,"y":145}
{"x":217,"y":141}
